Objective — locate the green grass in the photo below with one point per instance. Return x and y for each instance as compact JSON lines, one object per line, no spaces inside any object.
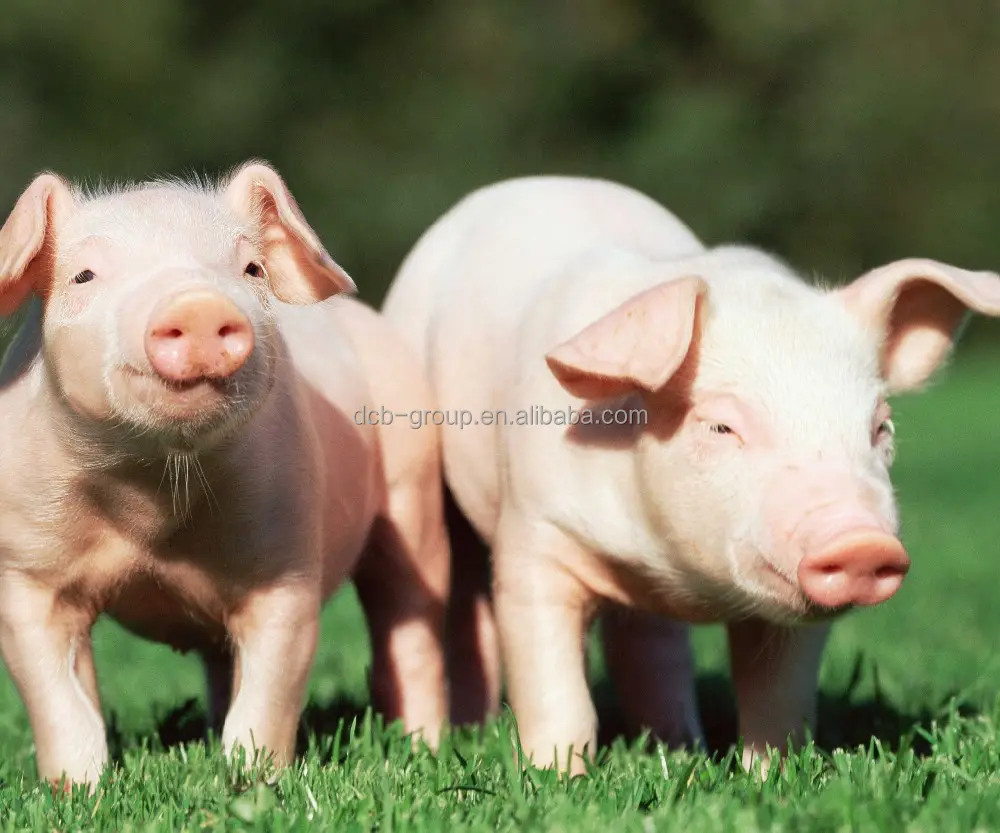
{"x":909,"y":715}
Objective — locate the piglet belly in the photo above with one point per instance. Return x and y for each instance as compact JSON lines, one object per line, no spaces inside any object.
{"x":156,"y":612}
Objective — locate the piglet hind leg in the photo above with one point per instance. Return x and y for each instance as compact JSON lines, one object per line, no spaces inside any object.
{"x":46,"y":647}
{"x":543,"y":612}
{"x":221,"y":682}
{"x":275,"y":632}
{"x":403,"y":582}
{"x":775,"y":673}
{"x":473,"y":648}
{"x":650,"y":663}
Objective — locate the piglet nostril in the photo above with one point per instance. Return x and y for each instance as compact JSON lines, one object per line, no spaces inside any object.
{"x":236,"y":339}
{"x":890,"y":571}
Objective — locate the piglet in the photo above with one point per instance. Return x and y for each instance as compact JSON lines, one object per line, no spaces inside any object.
{"x":182,"y":452}
{"x":716,"y":449}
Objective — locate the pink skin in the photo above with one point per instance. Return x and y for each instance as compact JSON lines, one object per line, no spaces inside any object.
{"x":188,"y":461}
{"x":755,"y":492}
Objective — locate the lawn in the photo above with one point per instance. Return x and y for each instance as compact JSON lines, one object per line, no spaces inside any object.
{"x":909,"y":717}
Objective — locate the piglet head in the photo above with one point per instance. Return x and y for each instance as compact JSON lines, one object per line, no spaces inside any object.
{"x":765,"y":462}
{"x":159,"y":298}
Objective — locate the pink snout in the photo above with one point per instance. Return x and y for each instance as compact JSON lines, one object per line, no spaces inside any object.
{"x":865,"y":566}
{"x":197,"y":335}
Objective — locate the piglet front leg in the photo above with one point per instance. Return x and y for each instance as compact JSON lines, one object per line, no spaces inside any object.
{"x":542,"y":615}
{"x":45,"y":643}
{"x":775,"y":673}
{"x":276,"y":632}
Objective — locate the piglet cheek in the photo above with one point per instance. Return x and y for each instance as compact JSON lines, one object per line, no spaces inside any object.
{"x":77,"y":356}
{"x":72,"y":305}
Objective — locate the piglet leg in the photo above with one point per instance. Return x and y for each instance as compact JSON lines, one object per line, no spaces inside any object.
{"x":402,"y":583}
{"x":649,"y":660}
{"x":46,"y":646}
{"x":276,"y":631}
{"x":775,"y":673}
{"x":221,"y":680}
{"x":542,"y":614}
{"x":473,"y":647}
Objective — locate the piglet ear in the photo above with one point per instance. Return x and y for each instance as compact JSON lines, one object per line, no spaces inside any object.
{"x":917,"y":308}
{"x":638,"y":345}
{"x":299,"y":268}
{"x":26,"y":240}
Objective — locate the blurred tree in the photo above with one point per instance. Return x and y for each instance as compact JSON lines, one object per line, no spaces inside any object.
{"x":839,"y":134}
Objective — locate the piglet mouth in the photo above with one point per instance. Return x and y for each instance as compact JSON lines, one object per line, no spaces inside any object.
{"x":774,"y":573}
{"x":222,"y":385}
{"x":200,"y":400}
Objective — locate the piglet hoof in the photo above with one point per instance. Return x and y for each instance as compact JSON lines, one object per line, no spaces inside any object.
{"x":65,"y":783}
{"x":431,"y":739}
{"x":256,"y":766}
{"x":577,"y":766}
{"x":63,"y":787}
{"x":754,"y":759}
{"x":694,"y":741}
{"x":567,"y":763}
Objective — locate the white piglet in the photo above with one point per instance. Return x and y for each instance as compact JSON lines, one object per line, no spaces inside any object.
{"x":731,"y":463}
{"x":181,"y":451}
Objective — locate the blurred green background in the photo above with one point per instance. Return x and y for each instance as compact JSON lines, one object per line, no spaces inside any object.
{"x":839,"y":134}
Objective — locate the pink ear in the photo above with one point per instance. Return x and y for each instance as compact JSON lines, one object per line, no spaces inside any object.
{"x":25,"y":260}
{"x":918,"y":306}
{"x":300,"y":270}
{"x":638,"y":345}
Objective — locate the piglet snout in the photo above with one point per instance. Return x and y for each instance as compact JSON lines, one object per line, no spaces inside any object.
{"x":865,"y":566}
{"x":198,"y":334}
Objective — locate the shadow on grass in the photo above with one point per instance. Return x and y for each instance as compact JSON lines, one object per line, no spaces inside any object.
{"x":845,"y":721}
{"x":188,"y":723}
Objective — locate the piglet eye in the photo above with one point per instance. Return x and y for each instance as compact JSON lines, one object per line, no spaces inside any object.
{"x":719,"y":428}
{"x":887,"y":428}
{"x":254,"y":270}
{"x":86,"y":276}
